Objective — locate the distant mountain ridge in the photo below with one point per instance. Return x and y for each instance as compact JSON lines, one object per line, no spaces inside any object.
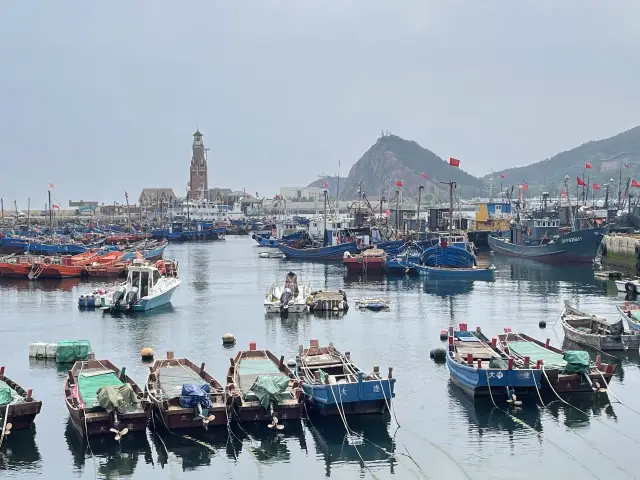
{"x":608,"y":159}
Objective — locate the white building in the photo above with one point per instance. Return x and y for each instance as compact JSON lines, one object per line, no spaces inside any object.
{"x":302,"y":193}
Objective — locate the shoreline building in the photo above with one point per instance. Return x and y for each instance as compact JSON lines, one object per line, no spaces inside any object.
{"x":198,"y":186}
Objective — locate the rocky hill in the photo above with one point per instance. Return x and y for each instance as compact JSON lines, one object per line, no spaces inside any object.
{"x":607,"y":157}
{"x":391,"y":159}
{"x":332,"y":181}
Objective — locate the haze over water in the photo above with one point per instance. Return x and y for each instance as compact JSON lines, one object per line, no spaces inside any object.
{"x":446,"y":433}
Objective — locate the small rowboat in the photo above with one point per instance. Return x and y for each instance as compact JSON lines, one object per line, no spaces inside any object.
{"x":102,"y":399}
{"x":559,"y":374}
{"x":263,"y":388}
{"x":596,"y":332}
{"x":335,"y":386}
{"x":631,"y":312}
{"x":185,"y":395}
{"x":18,"y":408}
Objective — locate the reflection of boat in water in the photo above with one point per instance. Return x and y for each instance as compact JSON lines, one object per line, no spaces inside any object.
{"x":121,"y":458}
{"x":338,"y":447}
{"x":269,"y":445}
{"x":19,"y":451}
{"x":195,"y":451}
{"x":447,"y":288}
{"x":51,"y":285}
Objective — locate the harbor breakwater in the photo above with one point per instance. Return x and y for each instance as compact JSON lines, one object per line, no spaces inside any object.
{"x":622,"y":250}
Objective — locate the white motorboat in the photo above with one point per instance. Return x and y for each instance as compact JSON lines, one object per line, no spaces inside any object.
{"x":287,"y":296}
{"x":148,"y":286}
{"x":628,"y":285}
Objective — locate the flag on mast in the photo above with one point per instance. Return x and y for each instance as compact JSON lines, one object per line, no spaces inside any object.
{"x":588,"y":165}
{"x":454,"y":162}
{"x":581,"y":182}
{"x":423,"y":176}
{"x":51,"y":185}
{"x":399,"y":183}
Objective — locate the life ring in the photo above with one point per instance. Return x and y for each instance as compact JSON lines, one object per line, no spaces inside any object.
{"x":47,"y":260}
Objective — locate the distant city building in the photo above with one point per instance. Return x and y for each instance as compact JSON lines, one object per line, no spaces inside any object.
{"x":219,"y":194}
{"x":302,"y":193}
{"x":155,"y":196}
{"x":82,"y":203}
{"x":198,"y":187}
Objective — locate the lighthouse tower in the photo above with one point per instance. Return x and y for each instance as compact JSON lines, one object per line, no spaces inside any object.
{"x":198,"y":178}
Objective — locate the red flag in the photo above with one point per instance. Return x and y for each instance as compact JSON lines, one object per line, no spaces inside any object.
{"x":326,"y":184}
{"x":56,"y":206}
{"x":581,"y":182}
{"x":502,"y":175}
{"x":423,"y":176}
{"x":588,"y":165}
{"x":51,"y":185}
{"x":634,"y":183}
{"x":399,"y":183}
{"x":387,"y":212}
{"x":563,"y":193}
{"x":525,"y":187}
{"x":595,"y":186}
{"x":277,"y":197}
{"x":454,"y":162}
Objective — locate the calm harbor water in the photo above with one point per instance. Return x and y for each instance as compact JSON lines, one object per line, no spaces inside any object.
{"x":441,"y":433}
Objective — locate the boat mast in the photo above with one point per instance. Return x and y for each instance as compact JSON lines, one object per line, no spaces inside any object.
{"x":2,"y":209}
{"x":28,"y":212}
{"x":50,"y":212}
{"x":452,"y":185}
{"x":126,"y":197}
{"x":326,"y":193}
{"x":418,"y":212}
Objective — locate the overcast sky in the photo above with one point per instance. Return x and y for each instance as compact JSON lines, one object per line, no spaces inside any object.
{"x":99,"y":97}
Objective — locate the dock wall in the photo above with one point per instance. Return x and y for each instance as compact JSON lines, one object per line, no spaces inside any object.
{"x":623,"y":250}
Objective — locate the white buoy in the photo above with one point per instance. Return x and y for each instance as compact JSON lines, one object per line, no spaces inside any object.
{"x":228,"y":339}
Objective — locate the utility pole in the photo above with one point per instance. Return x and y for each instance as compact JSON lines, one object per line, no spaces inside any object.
{"x":29,"y":213}
{"x":418,"y":214}
{"x":397,"y":211}
{"x":126,"y":197}
{"x":50,"y":213}
{"x":326,"y":194}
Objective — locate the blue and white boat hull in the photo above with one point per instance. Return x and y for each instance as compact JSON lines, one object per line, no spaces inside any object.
{"x":371,"y":396}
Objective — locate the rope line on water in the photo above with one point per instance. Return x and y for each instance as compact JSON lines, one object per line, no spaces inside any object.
{"x":539,"y":434}
{"x":614,"y":397}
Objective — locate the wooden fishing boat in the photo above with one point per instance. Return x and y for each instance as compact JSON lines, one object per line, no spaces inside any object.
{"x":18,"y":408}
{"x":331,"y":252}
{"x":16,"y":267}
{"x":185,"y":395}
{"x":529,"y":352}
{"x":47,"y":267}
{"x":113,"y":270}
{"x":596,"y":332}
{"x":333,"y":385}
{"x":89,"y":385}
{"x":479,"y":369}
{"x":262,"y":388}
{"x":631,"y":312}
{"x":373,"y":260}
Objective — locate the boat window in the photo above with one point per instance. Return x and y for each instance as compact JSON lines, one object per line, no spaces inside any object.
{"x":156,"y":277}
{"x":144,"y":287}
{"x":135,"y":278}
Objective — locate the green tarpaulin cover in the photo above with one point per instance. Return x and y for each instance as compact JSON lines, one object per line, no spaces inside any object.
{"x":90,"y":381}
{"x":69,"y":351}
{"x":8,"y":396}
{"x":122,"y":398}
{"x":577,"y":362}
{"x":269,"y":389}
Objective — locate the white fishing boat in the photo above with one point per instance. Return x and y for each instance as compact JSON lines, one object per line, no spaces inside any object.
{"x":287,"y":296}
{"x":148,"y":286}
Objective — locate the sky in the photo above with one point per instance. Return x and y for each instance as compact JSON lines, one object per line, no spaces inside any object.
{"x":100,"y":98}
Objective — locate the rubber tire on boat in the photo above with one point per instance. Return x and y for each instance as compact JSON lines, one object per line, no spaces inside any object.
{"x":604,"y":249}
{"x":638,"y":265}
{"x":344,"y":295}
{"x":637,"y":251}
{"x":631,"y":288}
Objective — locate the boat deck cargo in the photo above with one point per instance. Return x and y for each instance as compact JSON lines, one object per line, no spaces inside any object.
{"x":18,"y":408}
{"x":327,"y":301}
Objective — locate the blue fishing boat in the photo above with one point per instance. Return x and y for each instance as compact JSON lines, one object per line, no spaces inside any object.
{"x":446,"y":273}
{"x":452,"y":251}
{"x":331,"y":252}
{"x":481,"y":369}
{"x":333,"y":385}
{"x":268,"y":242}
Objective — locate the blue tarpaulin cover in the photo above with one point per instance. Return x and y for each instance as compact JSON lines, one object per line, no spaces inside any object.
{"x":193,"y":395}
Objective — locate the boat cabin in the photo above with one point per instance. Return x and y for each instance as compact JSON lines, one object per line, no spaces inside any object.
{"x":535,"y":231}
{"x":493,"y":216}
{"x":142,"y":275}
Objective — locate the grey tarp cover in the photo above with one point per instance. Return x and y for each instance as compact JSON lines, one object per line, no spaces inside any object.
{"x":268,"y":389}
{"x":577,"y":362}
{"x":121,"y":398}
{"x":498,"y":363}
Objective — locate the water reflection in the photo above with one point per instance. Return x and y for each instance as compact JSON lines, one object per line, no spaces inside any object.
{"x":196,"y":448}
{"x":113,"y":459}
{"x":372,"y":443}
{"x":447,"y":288}
{"x":45,"y":285}
{"x":19,"y":451}
{"x":593,"y":404}
{"x":268,"y":445}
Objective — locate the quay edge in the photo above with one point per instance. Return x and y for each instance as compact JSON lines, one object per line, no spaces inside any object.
{"x":622,"y":250}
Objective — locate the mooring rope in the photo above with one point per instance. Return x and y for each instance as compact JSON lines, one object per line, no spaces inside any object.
{"x":614,"y":397}
{"x":4,"y":427}
{"x":539,"y":434}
